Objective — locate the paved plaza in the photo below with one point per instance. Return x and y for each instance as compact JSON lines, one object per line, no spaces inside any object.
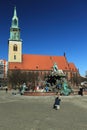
{"x":36,"y":113}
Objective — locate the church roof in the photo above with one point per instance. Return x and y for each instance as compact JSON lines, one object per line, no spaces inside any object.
{"x":72,"y":67}
{"x":41,"y":62}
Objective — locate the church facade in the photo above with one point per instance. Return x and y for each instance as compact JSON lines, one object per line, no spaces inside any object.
{"x":33,"y":63}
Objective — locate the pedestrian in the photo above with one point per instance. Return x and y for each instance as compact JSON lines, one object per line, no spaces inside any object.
{"x":81,"y":91}
{"x":57,"y":103}
{"x":6,"y":89}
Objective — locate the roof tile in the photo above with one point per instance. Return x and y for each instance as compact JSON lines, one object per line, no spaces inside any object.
{"x":41,"y":62}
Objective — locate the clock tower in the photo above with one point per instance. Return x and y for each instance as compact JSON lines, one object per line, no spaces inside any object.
{"x":15,"y":43}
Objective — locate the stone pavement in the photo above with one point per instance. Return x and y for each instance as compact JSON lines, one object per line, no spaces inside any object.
{"x":36,"y":113}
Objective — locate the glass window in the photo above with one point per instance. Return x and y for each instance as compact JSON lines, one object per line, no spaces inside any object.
{"x":15,"y":47}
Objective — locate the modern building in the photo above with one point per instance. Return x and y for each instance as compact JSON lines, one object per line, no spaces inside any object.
{"x":34,"y":63}
{"x":3,"y":69}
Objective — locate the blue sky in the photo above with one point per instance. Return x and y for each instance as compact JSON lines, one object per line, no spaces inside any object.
{"x":48,"y":27}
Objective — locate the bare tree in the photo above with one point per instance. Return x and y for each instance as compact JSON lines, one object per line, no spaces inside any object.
{"x":18,"y":77}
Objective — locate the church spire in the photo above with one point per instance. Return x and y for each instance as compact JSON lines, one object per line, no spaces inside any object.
{"x":15,"y":30}
{"x":15,"y":12}
{"x":15,"y":19}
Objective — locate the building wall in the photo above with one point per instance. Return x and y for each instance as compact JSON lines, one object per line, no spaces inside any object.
{"x":15,"y":55}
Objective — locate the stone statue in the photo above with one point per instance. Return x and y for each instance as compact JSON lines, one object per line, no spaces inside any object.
{"x":55,"y":68}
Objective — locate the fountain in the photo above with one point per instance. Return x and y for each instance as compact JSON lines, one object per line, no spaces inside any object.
{"x":57,"y":82}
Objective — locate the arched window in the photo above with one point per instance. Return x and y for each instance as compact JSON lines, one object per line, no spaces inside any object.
{"x":14,"y":57}
{"x":15,"y":47}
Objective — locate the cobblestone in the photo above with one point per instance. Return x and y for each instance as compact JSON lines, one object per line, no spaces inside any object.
{"x":36,"y":113}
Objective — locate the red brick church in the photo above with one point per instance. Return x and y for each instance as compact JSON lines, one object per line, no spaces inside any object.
{"x":34,"y":63}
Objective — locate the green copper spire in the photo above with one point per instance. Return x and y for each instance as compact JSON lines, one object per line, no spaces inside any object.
{"x":15,"y":12}
{"x":15,"y":30}
{"x":15,"y":19}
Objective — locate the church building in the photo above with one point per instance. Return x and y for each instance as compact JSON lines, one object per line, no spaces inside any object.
{"x":33,"y":63}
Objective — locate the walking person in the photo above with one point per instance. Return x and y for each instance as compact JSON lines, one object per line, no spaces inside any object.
{"x":6,"y":89}
{"x":81,"y":91}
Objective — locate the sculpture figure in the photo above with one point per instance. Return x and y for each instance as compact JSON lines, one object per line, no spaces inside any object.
{"x":23,"y":88}
{"x":55,"y":68}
